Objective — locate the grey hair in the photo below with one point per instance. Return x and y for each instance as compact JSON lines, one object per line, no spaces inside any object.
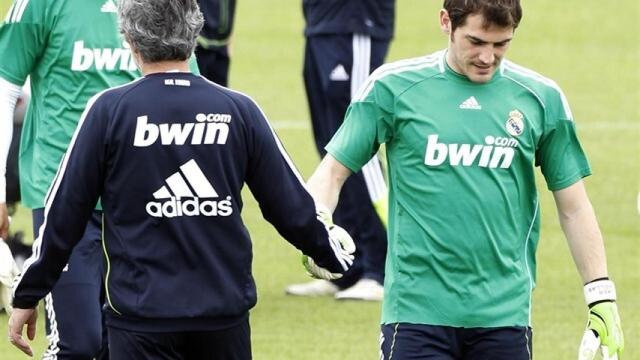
{"x":160,"y":30}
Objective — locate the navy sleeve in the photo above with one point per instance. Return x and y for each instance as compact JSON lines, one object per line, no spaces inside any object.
{"x":68,"y":207}
{"x":283,"y":199}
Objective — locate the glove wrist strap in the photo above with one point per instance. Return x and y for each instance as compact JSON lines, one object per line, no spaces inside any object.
{"x":324,"y":214}
{"x":599,"y":290}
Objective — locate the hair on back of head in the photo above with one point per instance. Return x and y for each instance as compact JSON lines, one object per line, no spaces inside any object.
{"x":160,"y":30}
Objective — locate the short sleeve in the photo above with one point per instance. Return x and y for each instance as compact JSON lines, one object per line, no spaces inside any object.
{"x":559,"y":153}
{"x":367,"y":124}
{"x":24,"y":36}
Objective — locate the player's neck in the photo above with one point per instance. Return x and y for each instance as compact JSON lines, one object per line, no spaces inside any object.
{"x":163,"y":66}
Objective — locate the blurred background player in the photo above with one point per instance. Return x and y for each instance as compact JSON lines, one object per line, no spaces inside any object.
{"x":465,"y":129}
{"x":71,"y":50}
{"x":345,"y":42}
{"x":179,"y":283}
{"x":212,"y":51}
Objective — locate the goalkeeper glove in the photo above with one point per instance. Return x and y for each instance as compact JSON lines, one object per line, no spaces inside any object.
{"x":341,"y":243}
{"x":603,"y":326}
{"x":8,"y":272}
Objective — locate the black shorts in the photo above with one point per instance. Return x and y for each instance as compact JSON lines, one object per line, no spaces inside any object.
{"x":232,"y":343}
{"x":411,"y":341}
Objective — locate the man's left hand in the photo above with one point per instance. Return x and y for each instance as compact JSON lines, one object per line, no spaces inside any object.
{"x":603,"y":331}
{"x":20,"y":318}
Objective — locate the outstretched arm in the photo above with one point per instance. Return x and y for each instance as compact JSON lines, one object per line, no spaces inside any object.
{"x":289,"y":206}
{"x":326,"y":182}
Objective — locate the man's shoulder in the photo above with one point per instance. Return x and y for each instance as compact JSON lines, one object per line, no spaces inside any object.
{"x":241,"y":99}
{"x":412,"y":69}
{"x":542,"y":86}
{"x":399,"y":75}
{"x":113,"y":94}
{"x":29,"y":11}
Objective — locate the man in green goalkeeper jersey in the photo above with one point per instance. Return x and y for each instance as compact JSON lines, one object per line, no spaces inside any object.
{"x":71,"y":50}
{"x":464,"y":129}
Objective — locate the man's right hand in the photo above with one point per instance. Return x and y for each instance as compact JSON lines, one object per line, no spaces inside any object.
{"x":341,"y":243}
{"x":4,"y":221}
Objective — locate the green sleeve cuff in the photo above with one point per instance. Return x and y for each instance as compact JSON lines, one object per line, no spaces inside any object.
{"x":559,"y":185}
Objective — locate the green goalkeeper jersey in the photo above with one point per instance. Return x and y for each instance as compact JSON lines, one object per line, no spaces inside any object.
{"x":463,"y":206}
{"x":72,"y":49}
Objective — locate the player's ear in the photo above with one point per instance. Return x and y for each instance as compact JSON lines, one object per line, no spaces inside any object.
{"x":445,"y":22}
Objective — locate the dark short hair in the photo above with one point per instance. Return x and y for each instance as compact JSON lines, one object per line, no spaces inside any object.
{"x":501,"y":13}
{"x":161,"y":30}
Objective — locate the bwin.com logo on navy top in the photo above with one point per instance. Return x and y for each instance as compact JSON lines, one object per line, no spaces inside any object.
{"x":515,"y":123}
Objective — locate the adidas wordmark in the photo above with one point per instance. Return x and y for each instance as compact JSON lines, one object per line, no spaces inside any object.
{"x":188,"y":193}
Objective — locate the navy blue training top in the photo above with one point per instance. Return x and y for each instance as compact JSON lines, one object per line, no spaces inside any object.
{"x":368,"y":17}
{"x":169,"y":155}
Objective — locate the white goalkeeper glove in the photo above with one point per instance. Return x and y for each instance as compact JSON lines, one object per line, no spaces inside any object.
{"x":341,"y":243}
{"x":603,"y":327}
{"x":8,"y":272}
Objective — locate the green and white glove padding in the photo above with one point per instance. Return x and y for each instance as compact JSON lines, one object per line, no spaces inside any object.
{"x":603,"y":331}
{"x":8,"y":272}
{"x":341,"y":243}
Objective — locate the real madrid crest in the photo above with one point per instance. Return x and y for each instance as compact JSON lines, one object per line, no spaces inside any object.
{"x":515,"y":123}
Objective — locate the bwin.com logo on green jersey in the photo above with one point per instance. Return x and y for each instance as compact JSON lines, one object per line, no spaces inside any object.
{"x":103,"y":59}
{"x":495,"y":152}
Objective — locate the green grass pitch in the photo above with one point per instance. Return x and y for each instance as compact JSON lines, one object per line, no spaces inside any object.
{"x":590,"y":47}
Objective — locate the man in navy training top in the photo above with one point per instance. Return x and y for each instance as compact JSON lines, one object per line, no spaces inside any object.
{"x":168,"y":154}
